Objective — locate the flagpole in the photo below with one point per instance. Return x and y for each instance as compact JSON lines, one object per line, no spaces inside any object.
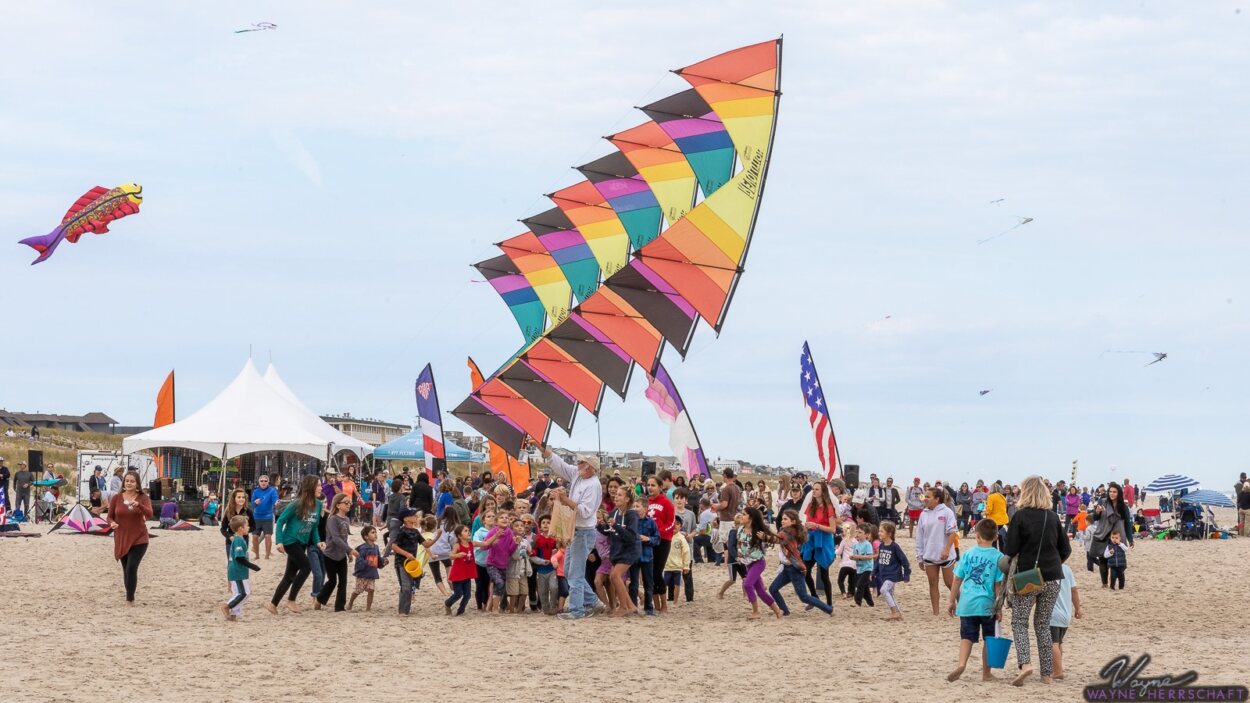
{"x":837,"y":447}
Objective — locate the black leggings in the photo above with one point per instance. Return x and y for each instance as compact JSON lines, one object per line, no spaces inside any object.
{"x":297,"y":571}
{"x":130,"y":569}
{"x":436,"y":565}
{"x":482,"y":590}
{"x":846,"y":580}
{"x":824,"y":577}
{"x":336,"y":575}
{"x":1103,"y":569}
{"x":659,"y":557}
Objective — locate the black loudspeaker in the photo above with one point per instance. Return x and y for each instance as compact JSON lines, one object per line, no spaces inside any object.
{"x":154,"y":491}
{"x":648,"y":468}
{"x":34,"y":462}
{"x":190,"y":493}
{"x":439,"y":465}
{"x":850,"y":474}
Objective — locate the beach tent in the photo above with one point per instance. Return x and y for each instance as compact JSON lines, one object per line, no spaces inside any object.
{"x":79,"y":520}
{"x":409,"y":448}
{"x":251,"y":415}
{"x":1169,"y":483}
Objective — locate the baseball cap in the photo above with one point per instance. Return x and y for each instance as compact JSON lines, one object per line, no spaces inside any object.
{"x":590,"y":459}
{"x":407,"y":512}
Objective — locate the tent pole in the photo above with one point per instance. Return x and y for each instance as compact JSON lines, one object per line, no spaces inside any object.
{"x":223,"y":470}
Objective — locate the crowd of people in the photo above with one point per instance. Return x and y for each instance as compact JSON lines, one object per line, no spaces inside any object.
{"x":577,"y":544}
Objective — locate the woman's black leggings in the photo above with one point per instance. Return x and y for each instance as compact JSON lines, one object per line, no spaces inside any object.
{"x":846,"y":580}
{"x":812,"y":567}
{"x":659,"y":557}
{"x":130,"y":569}
{"x":336,"y":575}
{"x":297,"y":571}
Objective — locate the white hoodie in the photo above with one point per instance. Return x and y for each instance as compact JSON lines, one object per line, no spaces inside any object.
{"x":932,"y":530}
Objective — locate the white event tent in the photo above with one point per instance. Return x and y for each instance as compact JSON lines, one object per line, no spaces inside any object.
{"x":252,"y":414}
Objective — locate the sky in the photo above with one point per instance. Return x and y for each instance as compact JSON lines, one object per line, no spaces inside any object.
{"x":318,"y":193}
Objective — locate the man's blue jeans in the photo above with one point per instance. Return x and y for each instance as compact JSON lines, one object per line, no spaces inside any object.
{"x":581,"y":595}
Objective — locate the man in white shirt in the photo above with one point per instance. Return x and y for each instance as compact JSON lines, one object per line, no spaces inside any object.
{"x":584,"y":495}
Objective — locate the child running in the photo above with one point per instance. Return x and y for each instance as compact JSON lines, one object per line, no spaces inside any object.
{"x":846,"y":548}
{"x":1067,"y":606}
{"x":368,"y":561}
{"x":462,"y":571}
{"x":791,"y":538}
{"x":752,"y":538}
{"x":890,"y":567}
{"x":864,"y":558}
{"x":237,"y":569}
{"x":407,"y":544}
{"x":977,"y":582}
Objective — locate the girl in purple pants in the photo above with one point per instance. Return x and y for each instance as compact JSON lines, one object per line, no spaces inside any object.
{"x":751,"y":542}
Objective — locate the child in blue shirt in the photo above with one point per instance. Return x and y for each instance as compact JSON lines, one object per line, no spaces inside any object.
{"x":368,"y":560}
{"x":977,"y":582}
{"x":864,"y":557}
{"x":648,"y":536}
{"x":1067,"y":606}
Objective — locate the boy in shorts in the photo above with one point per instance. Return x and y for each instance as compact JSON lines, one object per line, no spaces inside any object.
{"x":368,"y":560}
{"x":519,"y":569}
{"x":977,"y":582}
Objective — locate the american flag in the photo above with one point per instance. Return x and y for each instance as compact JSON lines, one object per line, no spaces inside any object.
{"x":822,"y":426}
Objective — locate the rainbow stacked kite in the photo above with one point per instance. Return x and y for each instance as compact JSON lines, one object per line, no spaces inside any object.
{"x":630,"y":258}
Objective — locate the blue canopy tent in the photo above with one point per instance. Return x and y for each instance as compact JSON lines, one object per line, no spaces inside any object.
{"x":410,"y":448}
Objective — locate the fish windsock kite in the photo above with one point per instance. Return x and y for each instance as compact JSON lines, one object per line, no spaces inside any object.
{"x":93,"y":213}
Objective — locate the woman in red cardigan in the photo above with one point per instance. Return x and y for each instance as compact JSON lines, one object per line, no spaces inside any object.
{"x":129,"y":511}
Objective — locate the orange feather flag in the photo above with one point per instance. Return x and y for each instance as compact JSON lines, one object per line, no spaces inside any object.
{"x":165,"y":403}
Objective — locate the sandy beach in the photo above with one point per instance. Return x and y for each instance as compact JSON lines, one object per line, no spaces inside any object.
{"x":68,"y":631}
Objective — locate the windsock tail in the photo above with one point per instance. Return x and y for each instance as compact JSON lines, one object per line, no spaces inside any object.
{"x":45,"y":244}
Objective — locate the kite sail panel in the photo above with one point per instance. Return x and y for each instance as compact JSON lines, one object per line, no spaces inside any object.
{"x":682,"y":439}
{"x":689,"y":270}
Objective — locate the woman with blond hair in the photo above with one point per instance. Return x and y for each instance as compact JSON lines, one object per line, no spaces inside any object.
{"x":1036,"y":539}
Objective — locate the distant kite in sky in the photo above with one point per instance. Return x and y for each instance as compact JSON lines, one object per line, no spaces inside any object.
{"x":995,"y":202}
{"x":1023,"y":221}
{"x":91,"y":213}
{"x":257,"y":27}
{"x":986,"y":392}
{"x":1159,"y":356}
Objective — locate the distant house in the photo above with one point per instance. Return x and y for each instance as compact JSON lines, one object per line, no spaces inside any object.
{"x":375,"y":432}
{"x":473,"y":443}
{"x":91,"y":422}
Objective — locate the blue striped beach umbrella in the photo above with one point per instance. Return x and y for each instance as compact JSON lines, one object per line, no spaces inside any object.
{"x":1169,"y":483}
{"x":1214,"y":499}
